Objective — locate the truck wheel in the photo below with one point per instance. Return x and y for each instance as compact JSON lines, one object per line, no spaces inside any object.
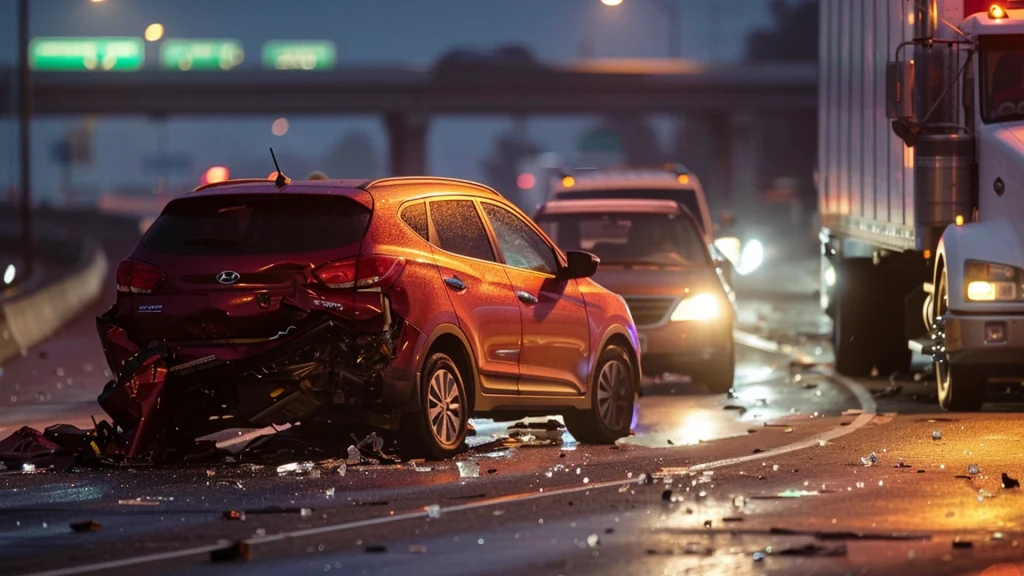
{"x":719,"y":372}
{"x":960,"y":388}
{"x":613,"y":393}
{"x":438,"y":429}
{"x":852,"y":339}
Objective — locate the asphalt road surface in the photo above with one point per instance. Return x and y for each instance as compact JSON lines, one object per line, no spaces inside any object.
{"x":778,"y":478}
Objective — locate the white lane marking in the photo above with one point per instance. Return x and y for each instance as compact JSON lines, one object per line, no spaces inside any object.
{"x":863,"y":397}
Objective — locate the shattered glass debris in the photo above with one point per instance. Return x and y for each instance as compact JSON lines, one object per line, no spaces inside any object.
{"x":973,"y":469}
{"x":468,"y":468}
{"x":870,"y":459}
{"x":936,"y":435}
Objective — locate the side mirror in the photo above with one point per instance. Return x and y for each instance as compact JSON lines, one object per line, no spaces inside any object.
{"x":899,"y":90}
{"x":725,"y":266}
{"x":579,"y":265}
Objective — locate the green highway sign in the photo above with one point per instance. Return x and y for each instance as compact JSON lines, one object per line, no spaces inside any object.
{"x":299,"y":54}
{"x":598,"y":141}
{"x":73,"y":54}
{"x":178,"y":54}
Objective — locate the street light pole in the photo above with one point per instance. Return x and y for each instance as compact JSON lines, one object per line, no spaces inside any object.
{"x":24,"y":133}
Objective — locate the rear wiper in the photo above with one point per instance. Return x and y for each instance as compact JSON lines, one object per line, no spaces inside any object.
{"x":211,"y":242}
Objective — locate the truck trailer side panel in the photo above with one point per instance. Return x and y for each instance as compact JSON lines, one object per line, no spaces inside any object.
{"x":865,"y":171}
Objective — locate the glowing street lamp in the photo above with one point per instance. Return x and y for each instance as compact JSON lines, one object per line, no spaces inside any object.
{"x":611,"y":2}
{"x":154,"y":32}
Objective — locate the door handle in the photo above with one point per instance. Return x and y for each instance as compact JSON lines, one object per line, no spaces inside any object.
{"x":526,"y":297}
{"x":455,"y":283}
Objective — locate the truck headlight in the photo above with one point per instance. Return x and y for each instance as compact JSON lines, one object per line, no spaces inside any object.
{"x":991,"y":282}
{"x":698,"y":307}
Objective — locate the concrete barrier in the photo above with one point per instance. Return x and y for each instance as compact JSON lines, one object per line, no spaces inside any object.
{"x":29,"y":319}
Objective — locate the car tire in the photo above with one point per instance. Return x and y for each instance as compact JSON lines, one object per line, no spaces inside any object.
{"x":437,"y":430}
{"x":613,"y":395}
{"x":718,"y":373}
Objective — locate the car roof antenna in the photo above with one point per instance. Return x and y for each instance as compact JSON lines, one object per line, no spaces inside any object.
{"x":281,"y":179}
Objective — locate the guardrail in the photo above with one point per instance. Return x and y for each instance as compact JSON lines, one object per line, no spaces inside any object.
{"x":36,"y":312}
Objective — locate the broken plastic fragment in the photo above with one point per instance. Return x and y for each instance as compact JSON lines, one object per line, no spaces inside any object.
{"x":870,"y":459}
{"x":468,"y":468}
{"x":936,"y":435}
{"x":433,"y":511}
{"x":593,"y":540}
{"x":330,"y":492}
{"x":295,"y":468}
{"x":758,"y":556}
{"x":973,"y":469}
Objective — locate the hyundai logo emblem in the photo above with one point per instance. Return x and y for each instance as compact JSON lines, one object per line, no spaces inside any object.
{"x":228,"y":277}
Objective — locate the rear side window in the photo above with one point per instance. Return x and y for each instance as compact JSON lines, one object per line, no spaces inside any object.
{"x":459,"y":229}
{"x":257,"y":224}
{"x":686,"y":198}
{"x":415,"y":215}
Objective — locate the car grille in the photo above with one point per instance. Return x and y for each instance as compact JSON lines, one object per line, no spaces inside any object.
{"x":647,"y":311}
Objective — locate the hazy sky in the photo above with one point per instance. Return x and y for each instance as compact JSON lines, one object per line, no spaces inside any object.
{"x":367,"y":33}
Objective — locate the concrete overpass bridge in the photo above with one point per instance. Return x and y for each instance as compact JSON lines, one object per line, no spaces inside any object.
{"x":406,"y":99}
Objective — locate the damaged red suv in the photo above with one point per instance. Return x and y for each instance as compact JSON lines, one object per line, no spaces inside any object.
{"x":408,"y":304}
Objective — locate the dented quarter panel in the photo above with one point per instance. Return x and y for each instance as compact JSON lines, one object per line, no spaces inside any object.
{"x":608,"y":316}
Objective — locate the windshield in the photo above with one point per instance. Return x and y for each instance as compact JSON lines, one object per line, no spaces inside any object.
{"x":1002,"y":74}
{"x":687,"y":198}
{"x":660,"y":240}
{"x":257,"y":224}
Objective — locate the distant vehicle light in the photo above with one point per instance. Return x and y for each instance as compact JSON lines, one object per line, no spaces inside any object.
{"x":9,"y":274}
{"x":279,"y":127}
{"x":215,"y":174}
{"x":959,"y":220}
{"x":525,"y":181}
{"x":568,"y":181}
{"x":830,"y":276}
{"x":996,"y":12}
{"x":751,"y":257}
{"x":683,"y":178}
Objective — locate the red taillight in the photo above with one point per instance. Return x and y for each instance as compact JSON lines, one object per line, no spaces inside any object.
{"x":138,"y":277}
{"x":364,"y":272}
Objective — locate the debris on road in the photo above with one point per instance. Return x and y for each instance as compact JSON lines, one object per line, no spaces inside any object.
{"x":537,"y":434}
{"x":936,"y":435}
{"x":813,"y":550}
{"x":870,"y":459}
{"x":417,"y":549}
{"x":1008,"y":482}
{"x":376,"y":549}
{"x":468,"y":468}
{"x":958,"y":543}
{"x":973,"y":469}
{"x":901,"y":464}
{"x":85,"y":526}
{"x":233,"y":515}
{"x":840,"y":535}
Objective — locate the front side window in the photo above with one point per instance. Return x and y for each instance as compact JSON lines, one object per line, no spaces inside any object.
{"x":460,"y":230}
{"x":630,"y":240}
{"x":1002,"y":78}
{"x":520,"y":245}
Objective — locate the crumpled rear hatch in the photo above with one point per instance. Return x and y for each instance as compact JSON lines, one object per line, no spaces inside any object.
{"x":238,"y":267}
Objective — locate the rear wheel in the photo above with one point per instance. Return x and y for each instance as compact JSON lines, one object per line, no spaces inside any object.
{"x":960,"y":388}
{"x":438,"y":429}
{"x":613,"y":393}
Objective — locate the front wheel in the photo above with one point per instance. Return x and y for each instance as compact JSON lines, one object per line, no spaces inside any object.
{"x":960,"y":388}
{"x":613,"y":393}
{"x":438,"y":429}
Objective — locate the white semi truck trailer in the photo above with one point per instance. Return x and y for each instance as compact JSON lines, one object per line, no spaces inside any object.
{"x":921,"y":188}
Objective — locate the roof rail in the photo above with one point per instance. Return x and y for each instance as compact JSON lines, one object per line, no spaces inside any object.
{"x":235,"y":181}
{"x":412,"y":179}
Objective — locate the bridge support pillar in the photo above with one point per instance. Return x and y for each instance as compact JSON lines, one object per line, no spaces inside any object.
{"x":736,"y":178}
{"x":407,"y":143}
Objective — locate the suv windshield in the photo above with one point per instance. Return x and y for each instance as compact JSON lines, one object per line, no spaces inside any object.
{"x":257,"y":224}
{"x":661,"y":240}
{"x":686,"y":198}
{"x":1002,"y":78}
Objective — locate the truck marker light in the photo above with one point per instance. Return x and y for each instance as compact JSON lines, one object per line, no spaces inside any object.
{"x":683,"y":178}
{"x":959,"y":220}
{"x":568,"y":181}
{"x":996,"y":12}
{"x":927,"y":254}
